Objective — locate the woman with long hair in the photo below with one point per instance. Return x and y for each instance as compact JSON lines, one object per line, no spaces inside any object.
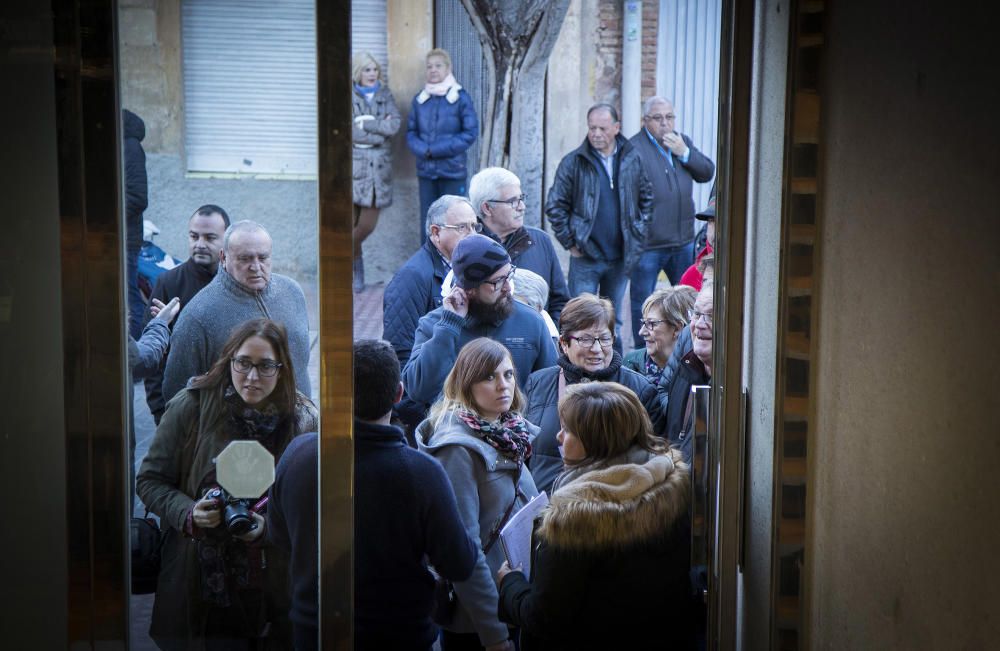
{"x":478,"y":434}
{"x":612,"y":549}
{"x":218,"y":590}
{"x":376,"y":121}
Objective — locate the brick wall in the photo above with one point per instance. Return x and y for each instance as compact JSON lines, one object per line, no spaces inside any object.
{"x":650,"y":29}
{"x":608,"y":41}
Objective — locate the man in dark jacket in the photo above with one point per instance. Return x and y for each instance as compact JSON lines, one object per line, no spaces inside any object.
{"x":599,"y":206}
{"x":479,"y":305}
{"x":694,"y":368}
{"x":673,"y":164}
{"x":206,"y":228}
{"x":136,"y":200}
{"x":495,"y":194}
{"x":415,"y":289}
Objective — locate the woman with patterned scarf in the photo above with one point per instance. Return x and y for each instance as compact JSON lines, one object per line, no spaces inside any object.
{"x":586,"y":336}
{"x":218,"y":590}
{"x":478,"y":434}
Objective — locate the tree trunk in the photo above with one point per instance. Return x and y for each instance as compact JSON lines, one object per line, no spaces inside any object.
{"x":517,"y":39}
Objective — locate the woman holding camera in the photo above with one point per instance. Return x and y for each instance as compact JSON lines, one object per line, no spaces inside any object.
{"x":219,"y":589}
{"x":612,"y":550}
{"x":478,"y":434}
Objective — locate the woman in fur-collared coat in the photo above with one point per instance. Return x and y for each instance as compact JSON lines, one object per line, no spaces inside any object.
{"x":612,"y":550}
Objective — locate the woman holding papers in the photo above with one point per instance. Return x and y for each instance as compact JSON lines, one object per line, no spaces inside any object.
{"x":610,"y":567}
{"x":478,"y":434}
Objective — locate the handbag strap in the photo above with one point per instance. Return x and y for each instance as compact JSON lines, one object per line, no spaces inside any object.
{"x":495,"y":534}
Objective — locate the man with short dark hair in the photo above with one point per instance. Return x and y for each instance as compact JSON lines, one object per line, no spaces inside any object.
{"x":480,"y":304}
{"x":244,"y":288}
{"x":599,"y":205}
{"x":673,"y":164}
{"x":206,"y":228}
{"x":393,"y":589}
{"x":496,"y":195}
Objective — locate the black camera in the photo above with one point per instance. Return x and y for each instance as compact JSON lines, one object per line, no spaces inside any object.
{"x":237,"y":514}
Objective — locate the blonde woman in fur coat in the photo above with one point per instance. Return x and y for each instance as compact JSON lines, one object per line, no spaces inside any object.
{"x":612,"y":550}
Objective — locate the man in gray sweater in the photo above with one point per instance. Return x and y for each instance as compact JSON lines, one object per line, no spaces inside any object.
{"x":243,"y":289}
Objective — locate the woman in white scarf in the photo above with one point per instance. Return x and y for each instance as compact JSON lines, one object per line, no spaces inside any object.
{"x":441,"y":127}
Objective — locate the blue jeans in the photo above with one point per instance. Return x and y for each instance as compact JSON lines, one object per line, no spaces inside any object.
{"x":673,"y":261}
{"x":430,"y":190}
{"x":604,"y":279}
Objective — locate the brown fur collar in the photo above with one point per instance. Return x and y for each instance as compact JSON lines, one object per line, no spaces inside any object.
{"x":619,"y":506}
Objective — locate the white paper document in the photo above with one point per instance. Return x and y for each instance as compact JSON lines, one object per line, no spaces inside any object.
{"x":515,"y":537}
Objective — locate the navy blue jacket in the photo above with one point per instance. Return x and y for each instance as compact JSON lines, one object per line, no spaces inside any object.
{"x":413,"y":291}
{"x":404,"y":510}
{"x":292,"y":521}
{"x":531,"y":248}
{"x":439,"y":132}
{"x":442,"y":333}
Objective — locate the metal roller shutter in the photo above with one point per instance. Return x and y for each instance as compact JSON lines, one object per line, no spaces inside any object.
{"x":249,"y":71}
{"x":369,"y":32}
{"x":687,"y":72}
{"x":454,"y":32}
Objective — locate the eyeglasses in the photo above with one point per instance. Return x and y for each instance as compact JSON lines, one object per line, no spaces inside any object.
{"x":497,"y":284}
{"x":588,"y":342}
{"x":267,"y":368}
{"x":465,"y":228}
{"x":649,"y":324}
{"x":670,"y":117}
{"x":513,"y":201}
{"x":694,"y":316}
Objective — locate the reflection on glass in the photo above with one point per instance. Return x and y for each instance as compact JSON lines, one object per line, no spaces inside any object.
{"x":219,"y":182}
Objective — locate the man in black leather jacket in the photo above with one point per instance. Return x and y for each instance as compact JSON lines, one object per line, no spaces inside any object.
{"x":599,"y":206}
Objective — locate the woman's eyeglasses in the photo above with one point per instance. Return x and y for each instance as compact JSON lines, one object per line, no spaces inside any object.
{"x":588,"y":342}
{"x":267,"y":368}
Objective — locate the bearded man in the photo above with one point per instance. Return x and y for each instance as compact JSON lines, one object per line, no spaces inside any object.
{"x":480,"y":304}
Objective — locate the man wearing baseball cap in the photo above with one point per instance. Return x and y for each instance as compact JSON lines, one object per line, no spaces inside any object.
{"x":480,"y":304}
{"x":692,"y":277}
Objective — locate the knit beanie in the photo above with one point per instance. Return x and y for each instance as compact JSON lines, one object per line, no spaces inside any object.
{"x":475,"y":259}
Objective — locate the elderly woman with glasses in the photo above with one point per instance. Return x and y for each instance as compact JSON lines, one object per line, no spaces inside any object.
{"x":586,"y":337}
{"x":215,"y":588}
{"x":664,"y":317}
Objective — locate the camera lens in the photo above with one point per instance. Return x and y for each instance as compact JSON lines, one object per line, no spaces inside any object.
{"x":238,"y":519}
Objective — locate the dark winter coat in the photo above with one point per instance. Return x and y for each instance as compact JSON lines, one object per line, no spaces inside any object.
{"x":543,"y":410}
{"x":531,"y":248}
{"x":183,"y":282}
{"x":681,"y":348}
{"x":413,"y":291}
{"x":689,"y":373}
{"x":136,"y":185}
{"x":373,"y":148}
{"x":573,"y":200}
{"x":439,"y":130}
{"x":191,"y":435}
{"x":442,"y":333}
{"x":673,"y":204}
{"x":486,"y":483}
{"x":610,"y":563}
{"x":393,"y":589}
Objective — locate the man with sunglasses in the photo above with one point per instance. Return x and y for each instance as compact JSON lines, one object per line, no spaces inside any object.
{"x":496,"y":195}
{"x":481,"y":304}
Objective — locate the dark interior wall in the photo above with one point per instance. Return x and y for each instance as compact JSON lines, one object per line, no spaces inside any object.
{"x":905,"y":519}
{"x":32,"y":440}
